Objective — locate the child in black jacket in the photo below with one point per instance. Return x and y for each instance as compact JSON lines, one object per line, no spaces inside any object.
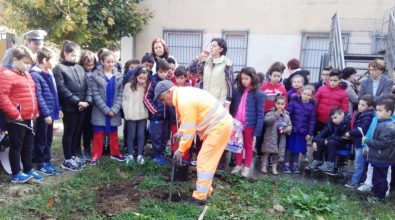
{"x":381,"y":148}
{"x":330,"y":139}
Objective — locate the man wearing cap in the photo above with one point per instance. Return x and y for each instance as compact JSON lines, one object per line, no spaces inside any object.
{"x":199,"y":113}
{"x":34,"y":42}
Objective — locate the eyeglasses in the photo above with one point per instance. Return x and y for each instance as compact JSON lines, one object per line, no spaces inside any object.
{"x":374,"y":69}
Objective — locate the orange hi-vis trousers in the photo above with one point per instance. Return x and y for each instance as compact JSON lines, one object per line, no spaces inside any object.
{"x":209,"y":155}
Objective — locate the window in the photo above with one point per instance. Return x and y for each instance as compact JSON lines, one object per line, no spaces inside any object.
{"x":314,"y":48}
{"x":184,"y":45}
{"x":237,"y":42}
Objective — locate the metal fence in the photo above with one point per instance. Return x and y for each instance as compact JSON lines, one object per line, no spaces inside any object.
{"x":184,"y":45}
{"x":336,"y":47}
{"x":362,"y":36}
{"x":389,"y":30}
{"x":237,"y":42}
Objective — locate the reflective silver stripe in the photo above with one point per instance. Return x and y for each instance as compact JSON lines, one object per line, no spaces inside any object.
{"x":203,"y":189}
{"x":205,"y":176}
{"x":188,"y":136}
{"x":208,"y":117}
{"x":215,"y":122}
{"x":186,"y":126}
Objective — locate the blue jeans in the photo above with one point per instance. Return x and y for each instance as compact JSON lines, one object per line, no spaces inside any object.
{"x":360,"y":166}
{"x":160,"y":135}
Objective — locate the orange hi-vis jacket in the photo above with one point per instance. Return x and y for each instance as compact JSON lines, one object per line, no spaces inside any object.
{"x":199,"y":112}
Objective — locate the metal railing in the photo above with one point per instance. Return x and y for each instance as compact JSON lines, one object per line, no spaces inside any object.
{"x":389,"y":26}
{"x":336,"y":44}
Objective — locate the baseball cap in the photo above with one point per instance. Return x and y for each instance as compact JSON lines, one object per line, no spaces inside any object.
{"x":161,"y":87}
{"x":37,"y":36}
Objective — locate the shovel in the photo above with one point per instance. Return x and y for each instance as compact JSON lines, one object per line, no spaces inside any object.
{"x":173,"y":169}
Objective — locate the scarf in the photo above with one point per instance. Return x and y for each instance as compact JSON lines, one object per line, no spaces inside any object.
{"x":110,"y":93}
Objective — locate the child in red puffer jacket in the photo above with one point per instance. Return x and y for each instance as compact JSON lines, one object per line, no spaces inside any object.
{"x":333,"y":94}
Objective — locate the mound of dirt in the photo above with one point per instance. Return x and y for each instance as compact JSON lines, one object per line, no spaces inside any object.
{"x":116,"y":198}
{"x":121,"y":196}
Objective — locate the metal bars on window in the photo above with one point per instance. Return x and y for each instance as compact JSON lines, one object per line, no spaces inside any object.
{"x":237,"y":42}
{"x":184,"y":45}
{"x":314,"y":47}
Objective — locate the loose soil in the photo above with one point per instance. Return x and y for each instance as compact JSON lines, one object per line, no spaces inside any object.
{"x":116,"y":198}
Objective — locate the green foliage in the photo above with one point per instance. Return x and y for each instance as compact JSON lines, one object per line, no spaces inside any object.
{"x":303,"y":205}
{"x":92,"y":23}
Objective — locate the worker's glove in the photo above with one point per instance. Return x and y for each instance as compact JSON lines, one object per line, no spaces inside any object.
{"x":178,"y":155}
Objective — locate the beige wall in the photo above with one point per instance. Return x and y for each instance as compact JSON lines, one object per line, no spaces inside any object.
{"x":263,"y":18}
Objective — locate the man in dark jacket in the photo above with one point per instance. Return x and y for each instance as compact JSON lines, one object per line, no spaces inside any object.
{"x":381,"y":148}
{"x":330,"y":139}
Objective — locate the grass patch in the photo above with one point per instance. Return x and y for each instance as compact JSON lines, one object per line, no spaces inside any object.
{"x":234,"y":198}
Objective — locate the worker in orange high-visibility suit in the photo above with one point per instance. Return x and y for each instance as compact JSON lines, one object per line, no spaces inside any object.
{"x":199,"y":113}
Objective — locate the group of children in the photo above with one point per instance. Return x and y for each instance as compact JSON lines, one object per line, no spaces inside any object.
{"x":293,"y":119}
{"x":92,"y":96}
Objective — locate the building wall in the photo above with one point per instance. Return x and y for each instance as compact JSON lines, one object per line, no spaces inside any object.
{"x":274,"y":26}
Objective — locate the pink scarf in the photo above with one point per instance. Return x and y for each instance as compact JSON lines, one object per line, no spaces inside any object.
{"x":241,"y":111}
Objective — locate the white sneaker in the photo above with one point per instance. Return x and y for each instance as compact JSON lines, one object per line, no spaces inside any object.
{"x":364,"y":188}
{"x":245,"y":172}
{"x":236,"y":170}
{"x":140,"y":159}
{"x":129,"y":159}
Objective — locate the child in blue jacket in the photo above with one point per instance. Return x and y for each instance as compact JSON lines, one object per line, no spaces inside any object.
{"x":159,"y":124}
{"x":381,"y":147}
{"x":360,"y":122}
{"x":247,"y":107}
{"x":301,"y":110}
{"x":48,"y":103}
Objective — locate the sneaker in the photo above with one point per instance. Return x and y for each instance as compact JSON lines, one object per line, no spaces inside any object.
{"x":245,"y":172}
{"x":86,"y":156}
{"x":193,"y":163}
{"x":327,"y":167}
{"x":314,"y":164}
{"x":70,"y":165}
{"x":287,"y":169}
{"x":365,"y":188}
{"x":160,"y":160}
{"x":236,"y":170}
{"x":295,"y":170}
{"x":374,"y":200}
{"x":119,"y":158}
{"x":37,"y":178}
{"x":80,"y":162}
{"x":129,"y":159}
{"x":53,"y":168}
{"x":140,"y":159}
{"x":20,"y":177}
{"x":351,"y":185}
{"x":45,"y":169}
{"x":93,"y":162}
